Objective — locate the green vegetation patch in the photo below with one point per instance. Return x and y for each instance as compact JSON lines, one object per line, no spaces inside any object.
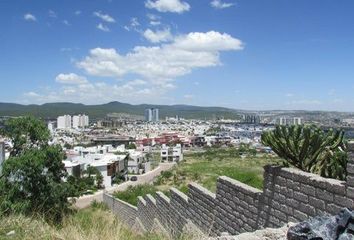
{"x":242,"y":164}
{"x":133,"y":192}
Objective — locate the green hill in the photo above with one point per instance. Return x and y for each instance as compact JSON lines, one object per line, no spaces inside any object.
{"x":52,"y":110}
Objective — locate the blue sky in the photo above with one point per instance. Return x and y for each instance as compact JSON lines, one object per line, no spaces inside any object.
{"x":246,"y":54}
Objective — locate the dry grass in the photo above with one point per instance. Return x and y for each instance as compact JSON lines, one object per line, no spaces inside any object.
{"x":89,"y":224}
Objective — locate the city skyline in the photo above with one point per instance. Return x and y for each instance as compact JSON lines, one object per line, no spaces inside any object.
{"x":239,"y":54}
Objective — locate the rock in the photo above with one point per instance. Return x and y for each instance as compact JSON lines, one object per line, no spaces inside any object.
{"x":263,"y":234}
{"x":339,"y":227}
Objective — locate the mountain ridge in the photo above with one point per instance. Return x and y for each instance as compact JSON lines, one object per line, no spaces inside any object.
{"x":52,"y":110}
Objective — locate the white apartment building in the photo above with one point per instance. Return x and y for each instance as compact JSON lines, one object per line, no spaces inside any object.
{"x":64,"y":122}
{"x":80,"y":121}
{"x":171,"y":154}
{"x":152,"y":115}
{"x":297,"y":121}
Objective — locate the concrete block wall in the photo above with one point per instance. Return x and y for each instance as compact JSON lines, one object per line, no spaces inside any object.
{"x":350,"y":170}
{"x":179,"y":211}
{"x":237,"y":207}
{"x":291,"y":195}
{"x":288,"y":195}
{"x":125,"y":211}
{"x":201,"y":207}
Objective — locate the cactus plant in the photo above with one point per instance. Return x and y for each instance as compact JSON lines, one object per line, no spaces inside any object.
{"x":310,"y":149}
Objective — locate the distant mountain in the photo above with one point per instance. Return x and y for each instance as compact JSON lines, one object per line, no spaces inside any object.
{"x":52,"y":110}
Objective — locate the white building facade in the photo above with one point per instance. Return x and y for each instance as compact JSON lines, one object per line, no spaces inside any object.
{"x":64,"y":122}
{"x":171,"y":154}
{"x":152,"y":115}
{"x":80,"y":121}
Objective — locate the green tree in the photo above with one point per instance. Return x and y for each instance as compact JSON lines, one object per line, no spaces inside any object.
{"x":25,"y":133}
{"x":92,"y":175}
{"x":131,"y":146}
{"x":32,"y":178}
{"x":310,"y":149}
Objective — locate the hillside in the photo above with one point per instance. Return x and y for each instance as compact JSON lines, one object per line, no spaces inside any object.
{"x":52,"y":110}
{"x":88,"y":224}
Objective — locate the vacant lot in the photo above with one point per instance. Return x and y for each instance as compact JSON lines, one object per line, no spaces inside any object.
{"x":204,"y":168}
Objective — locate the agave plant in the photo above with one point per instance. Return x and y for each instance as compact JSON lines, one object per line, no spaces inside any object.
{"x":310,"y":149}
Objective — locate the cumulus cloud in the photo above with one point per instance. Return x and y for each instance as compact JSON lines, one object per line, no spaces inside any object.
{"x":155,"y":69}
{"x":175,"y":6}
{"x":210,"y":41}
{"x":104,"y":17}
{"x":158,"y":36}
{"x":165,"y":62}
{"x":70,"y":78}
{"x":102,"y":27}
{"x":30,"y":17}
{"x":218,"y":4}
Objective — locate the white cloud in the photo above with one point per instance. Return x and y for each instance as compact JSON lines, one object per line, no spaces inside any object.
{"x":158,"y":36}
{"x":161,"y":64}
{"x":104,"y":17}
{"x":157,"y":66}
{"x":210,"y":41}
{"x":176,"y":6}
{"x":135,"y":91}
{"x":70,"y":78}
{"x":77,"y":12}
{"x":133,"y":25}
{"x":32,"y":94}
{"x":289,"y":95}
{"x":30,"y":17}
{"x":218,"y":4}
{"x":155,"y":23}
{"x":52,"y":14}
{"x":153,"y":17}
{"x":66,"y":22}
{"x":165,"y":62}
{"x":103,"y":27}
{"x":134,"y":22}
